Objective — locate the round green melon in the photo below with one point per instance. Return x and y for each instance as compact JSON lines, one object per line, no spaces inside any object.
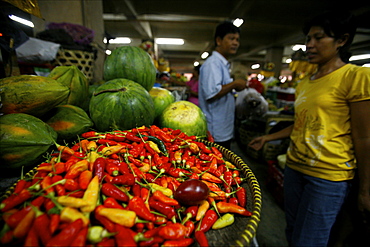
{"x":132,"y":63}
{"x":161,"y":98}
{"x":121,"y":104}
{"x":185,"y":116}
{"x":29,"y":94}
{"x":24,"y":139}
{"x":68,"y":121}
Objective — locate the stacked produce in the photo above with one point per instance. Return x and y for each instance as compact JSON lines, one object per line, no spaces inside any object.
{"x":147,"y":186}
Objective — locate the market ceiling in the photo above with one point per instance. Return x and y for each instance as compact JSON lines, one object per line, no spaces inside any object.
{"x":267,"y":23}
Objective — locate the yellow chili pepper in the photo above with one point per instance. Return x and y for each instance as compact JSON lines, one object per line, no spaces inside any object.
{"x":123,"y":217}
{"x":202,"y":209}
{"x":154,"y":146}
{"x":69,"y":214}
{"x":224,"y":221}
{"x":229,"y":165}
{"x":91,"y":195}
{"x":91,"y":157}
{"x":69,"y":201}
{"x":106,"y":151}
{"x":168,"y":192}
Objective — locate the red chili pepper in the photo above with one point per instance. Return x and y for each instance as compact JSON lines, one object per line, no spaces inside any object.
{"x":110,"y":202}
{"x":123,"y":168}
{"x":71,"y":185}
{"x":177,"y":172}
{"x":193,"y":210}
{"x":210,"y":137}
{"x":99,"y":168}
{"x":137,"y":205}
{"x":32,"y":238}
{"x":225,"y":207}
{"x":113,"y":191}
{"x":76,"y":169}
{"x":106,"y":242}
{"x":144,"y":193}
{"x":124,"y":236}
{"x":136,"y":190}
{"x":205,"y":157}
{"x":162,"y":208}
{"x":233,"y":200}
{"x":190,"y":226}
{"x":127,"y":179}
{"x":208,"y":220}
{"x":42,"y":226}
{"x":84,"y":179}
{"x":134,"y":161}
{"x":178,"y":243}
{"x":89,"y":134}
{"x":153,"y":241}
{"x":108,"y":224}
{"x":159,"y":196}
{"x":21,"y":184}
{"x":66,"y":236}
{"x":136,"y":150}
{"x":23,"y":196}
{"x":21,"y":230}
{"x":131,"y":137}
{"x":111,"y":167}
{"x":71,"y":161}
{"x":241,"y":194}
{"x":80,"y":239}
{"x":201,"y":238}
{"x":203,"y":148}
{"x":14,"y":219}
{"x":46,"y":186}
{"x":54,"y":222}
{"x":107,"y":142}
{"x":172,"y":231}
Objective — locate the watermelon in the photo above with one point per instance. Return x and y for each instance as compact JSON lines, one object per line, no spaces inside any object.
{"x":24,"y":139}
{"x":34,"y":95}
{"x":121,"y":104}
{"x":161,"y":98}
{"x":132,"y":63}
{"x":68,"y":121}
{"x":185,"y":116}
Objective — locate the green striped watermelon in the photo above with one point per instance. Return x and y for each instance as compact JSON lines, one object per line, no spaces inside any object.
{"x":121,"y":104}
{"x":132,"y":63}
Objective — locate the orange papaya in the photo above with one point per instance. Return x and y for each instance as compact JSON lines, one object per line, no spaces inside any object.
{"x":68,"y":121}
{"x":24,"y":139}
{"x":29,"y":94}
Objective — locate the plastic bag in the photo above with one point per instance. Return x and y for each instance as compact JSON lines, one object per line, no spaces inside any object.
{"x":250,"y":103}
{"x":37,"y":51}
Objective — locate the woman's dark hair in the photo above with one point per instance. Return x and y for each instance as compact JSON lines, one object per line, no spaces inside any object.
{"x":336,"y":24}
{"x":197,"y":68}
{"x":225,"y":28}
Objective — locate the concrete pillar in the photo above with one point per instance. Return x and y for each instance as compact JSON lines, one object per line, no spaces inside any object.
{"x":275,"y":55}
{"x":82,"y":12}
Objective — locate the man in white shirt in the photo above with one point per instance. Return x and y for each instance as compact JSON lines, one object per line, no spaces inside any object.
{"x":215,"y":85}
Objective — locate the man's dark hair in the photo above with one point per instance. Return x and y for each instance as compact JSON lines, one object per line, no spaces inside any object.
{"x":225,"y":28}
{"x":335,"y":25}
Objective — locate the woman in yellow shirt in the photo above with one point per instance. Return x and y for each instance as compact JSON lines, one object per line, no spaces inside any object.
{"x":330,"y":138}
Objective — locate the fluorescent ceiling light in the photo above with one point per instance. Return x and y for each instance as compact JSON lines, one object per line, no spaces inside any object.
{"x":204,"y":55}
{"x":196,"y":63}
{"x":255,"y":66}
{"x":118,"y":40}
{"x":366,"y":65}
{"x":359,"y":57}
{"x":169,"y":41}
{"x":21,"y":20}
{"x":238,"y":22}
{"x":297,"y":47}
{"x":288,"y":60}
{"x":108,"y":52}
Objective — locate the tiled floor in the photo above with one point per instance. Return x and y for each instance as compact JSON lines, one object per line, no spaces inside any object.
{"x":272,"y":225}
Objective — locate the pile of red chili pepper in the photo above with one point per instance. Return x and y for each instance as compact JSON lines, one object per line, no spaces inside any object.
{"x":116,"y":189}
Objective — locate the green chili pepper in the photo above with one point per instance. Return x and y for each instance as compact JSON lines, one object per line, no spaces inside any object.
{"x":159,"y":142}
{"x":224,"y":221}
{"x":96,"y":234}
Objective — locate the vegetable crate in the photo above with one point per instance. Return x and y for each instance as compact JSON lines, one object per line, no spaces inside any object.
{"x":82,"y":59}
{"x":240,"y":233}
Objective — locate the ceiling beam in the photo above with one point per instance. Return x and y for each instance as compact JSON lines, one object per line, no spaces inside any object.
{"x":143,"y":28}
